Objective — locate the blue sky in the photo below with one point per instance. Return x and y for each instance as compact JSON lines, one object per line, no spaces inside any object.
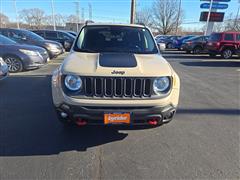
{"x":107,"y":10}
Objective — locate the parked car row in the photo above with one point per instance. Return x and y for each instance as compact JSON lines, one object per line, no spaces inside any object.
{"x":225,"y":44}
{"x":65,"y":38}
{"x":3,"y":69}
{"x":23,"y":50}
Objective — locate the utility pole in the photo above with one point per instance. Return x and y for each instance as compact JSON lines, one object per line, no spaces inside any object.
{"x":16,"y":13}
{"x":208,"y":18}
{"x":77,"y":13}
{"x":133,"y":11}
{"x":178,"y":16}
{"x":1,"y":14}
{"x":90,"y":11}
{"x":53,"y":17}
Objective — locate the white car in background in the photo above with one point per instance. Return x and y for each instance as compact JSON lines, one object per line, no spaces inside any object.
{"x":3,"y":69}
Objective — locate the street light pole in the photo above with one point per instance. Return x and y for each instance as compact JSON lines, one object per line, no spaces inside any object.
{"x":53,"y":17}
{"x":133,"y":11}
{"x":15,"y":8}
{"x":1,"y":13}
{"x":208,"y":18}
{"x":178,"y":17}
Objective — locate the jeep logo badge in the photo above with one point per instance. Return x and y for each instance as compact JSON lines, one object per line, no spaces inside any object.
{"x":118,"y":72}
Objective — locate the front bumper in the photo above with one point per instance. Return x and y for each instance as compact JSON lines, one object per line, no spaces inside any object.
{"x":3,"y":76}
{"x":95,"y":115}
{"x":3,"y":72}
{"x":55,"y":52}
{"x":186,"y":47}
{"x":32,"y":62}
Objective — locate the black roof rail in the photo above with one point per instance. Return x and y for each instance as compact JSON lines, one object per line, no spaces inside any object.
{"x":88,"y":22}
{"x":142,"y":24}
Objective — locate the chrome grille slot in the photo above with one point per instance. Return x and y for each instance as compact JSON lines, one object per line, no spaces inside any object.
{"x":88,"y":86}
{"x":138,"y":87}
{"x":98,"y":87}
{"x":109,"y":87}
{"x":147,"y":87}
{"x":128,"y":87}
{"x":118,"y":87}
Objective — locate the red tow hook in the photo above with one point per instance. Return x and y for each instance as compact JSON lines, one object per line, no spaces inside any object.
{"x":153,"y":122}
{"x":81,"y":122}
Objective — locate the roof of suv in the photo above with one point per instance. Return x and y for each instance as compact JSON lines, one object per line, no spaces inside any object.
{"x":109,"y":24}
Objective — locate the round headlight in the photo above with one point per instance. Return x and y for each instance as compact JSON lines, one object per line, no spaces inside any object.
{"x":161,"y":85}
{"x":73,"y":83}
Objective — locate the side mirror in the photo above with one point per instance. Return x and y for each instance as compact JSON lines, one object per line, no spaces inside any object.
{"x":161,"y":46}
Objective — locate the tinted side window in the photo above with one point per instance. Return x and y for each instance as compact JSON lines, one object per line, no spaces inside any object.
{"x":16,"y":35}
{"x":228,"y":37}
{"x":63,"y":36}
{"x":50,"y":34}
{"x":40,"y":33}
{"x":238,"y":37}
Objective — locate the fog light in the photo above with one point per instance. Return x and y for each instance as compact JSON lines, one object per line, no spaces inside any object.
{"x":63,"y":115}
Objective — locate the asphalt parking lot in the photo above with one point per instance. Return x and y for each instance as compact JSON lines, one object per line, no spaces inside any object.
{"x":203,"y":140}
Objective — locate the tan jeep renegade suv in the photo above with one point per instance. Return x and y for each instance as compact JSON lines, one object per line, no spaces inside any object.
{"x":115,"y":75}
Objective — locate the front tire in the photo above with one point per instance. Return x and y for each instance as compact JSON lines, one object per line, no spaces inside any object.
{"x":197,"y":50}
{"x":212,"y":55}
{"x":14,"y":64}
{"x":170,"y":46}
{"x":227,"y":53}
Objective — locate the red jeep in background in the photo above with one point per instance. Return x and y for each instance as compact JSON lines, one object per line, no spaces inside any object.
{"x":226,"y":44}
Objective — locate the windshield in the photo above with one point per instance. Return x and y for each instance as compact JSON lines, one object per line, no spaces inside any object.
{"x":215,"y":37}
{"x":33,"y":36}
{"x":5,"y":40}
{"x":115,"y":39}
{"x":194,"y":39}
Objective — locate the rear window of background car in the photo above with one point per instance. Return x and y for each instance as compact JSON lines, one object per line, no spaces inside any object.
{"x":228,"y":37}
{"x":238,"y":37}
{"x":51,"y":35}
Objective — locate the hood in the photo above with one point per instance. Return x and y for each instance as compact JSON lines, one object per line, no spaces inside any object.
{"x":27,"y":47}
{"x":52,"y":42}
{"x":110,"y":64}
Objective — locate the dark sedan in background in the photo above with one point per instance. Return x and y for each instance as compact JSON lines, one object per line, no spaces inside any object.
{"x":168,"y":40}
{"x":196,"y":45}
{"x":63,"y":37}
{"x":178,"y":42}
{"x":20,"y":57}
{"x":27,"y":37}
{"x":3,"y":69}
{"x":72,"y":33}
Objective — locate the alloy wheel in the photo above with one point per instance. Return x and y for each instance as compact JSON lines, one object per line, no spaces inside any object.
{"x":14,"y":65}
{"x":227,"y":53}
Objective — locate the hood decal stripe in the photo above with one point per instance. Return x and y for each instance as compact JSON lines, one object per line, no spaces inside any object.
{"x":120,"y":60}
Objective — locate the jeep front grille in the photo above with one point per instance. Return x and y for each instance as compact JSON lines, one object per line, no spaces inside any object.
{"x":117,"y":87}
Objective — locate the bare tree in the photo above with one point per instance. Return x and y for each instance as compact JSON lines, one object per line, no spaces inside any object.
{"x":33,"y":17}
{"x":4,"y":20}
{"x":231,"y":23}
{"x":60,"y":20}
{"x":144,"y":16}
{"x":72,"y":19}
{"x":166,"y":15}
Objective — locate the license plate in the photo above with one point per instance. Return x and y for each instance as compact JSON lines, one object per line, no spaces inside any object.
{"x":117,"y":118}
